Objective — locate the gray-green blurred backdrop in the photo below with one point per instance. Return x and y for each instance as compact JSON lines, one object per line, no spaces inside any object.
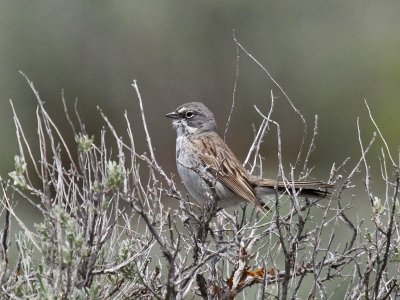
{"x":328,"y":55}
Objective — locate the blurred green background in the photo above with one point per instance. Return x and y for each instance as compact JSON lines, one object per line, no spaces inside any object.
{"x":327,"y":55}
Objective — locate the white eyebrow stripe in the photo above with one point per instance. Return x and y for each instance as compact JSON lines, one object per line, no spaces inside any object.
{"x":180,"y":110}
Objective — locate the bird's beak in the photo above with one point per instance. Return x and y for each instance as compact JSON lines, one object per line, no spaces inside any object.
{"x":172,"y":115}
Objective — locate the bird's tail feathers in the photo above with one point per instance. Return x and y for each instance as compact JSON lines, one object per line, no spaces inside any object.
{"x":315,"y":189}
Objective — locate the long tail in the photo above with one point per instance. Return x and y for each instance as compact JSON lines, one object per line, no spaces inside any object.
{"x":314,"y":189}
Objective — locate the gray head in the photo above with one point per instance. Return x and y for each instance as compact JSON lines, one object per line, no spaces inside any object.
{"x":192,"y":117}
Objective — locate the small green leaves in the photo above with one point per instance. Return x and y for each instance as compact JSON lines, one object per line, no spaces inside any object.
{"x":18,"y":174}
{"x":395,"y":255}
{"x":84,"y":142}
{"x":368,"y":235}
{"x":125,"y":251}
{"x":115,"y":174}
{"x":378,"y":208}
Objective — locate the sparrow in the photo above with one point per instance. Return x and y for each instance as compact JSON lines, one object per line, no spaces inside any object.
{"x":211,"y":172}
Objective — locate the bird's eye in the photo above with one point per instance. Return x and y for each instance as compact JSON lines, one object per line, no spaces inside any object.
{"x":189,"y":114}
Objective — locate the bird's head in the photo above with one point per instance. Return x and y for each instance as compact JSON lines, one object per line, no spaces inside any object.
{"x":192,"y":117}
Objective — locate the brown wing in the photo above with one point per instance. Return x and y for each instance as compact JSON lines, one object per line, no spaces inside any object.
{"x":223,"y":164}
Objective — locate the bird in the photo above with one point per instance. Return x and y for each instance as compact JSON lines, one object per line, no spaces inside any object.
{"x":210,"y":170}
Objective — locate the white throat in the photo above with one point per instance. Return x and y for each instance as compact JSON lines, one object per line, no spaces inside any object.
{"x":183,"y":129}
